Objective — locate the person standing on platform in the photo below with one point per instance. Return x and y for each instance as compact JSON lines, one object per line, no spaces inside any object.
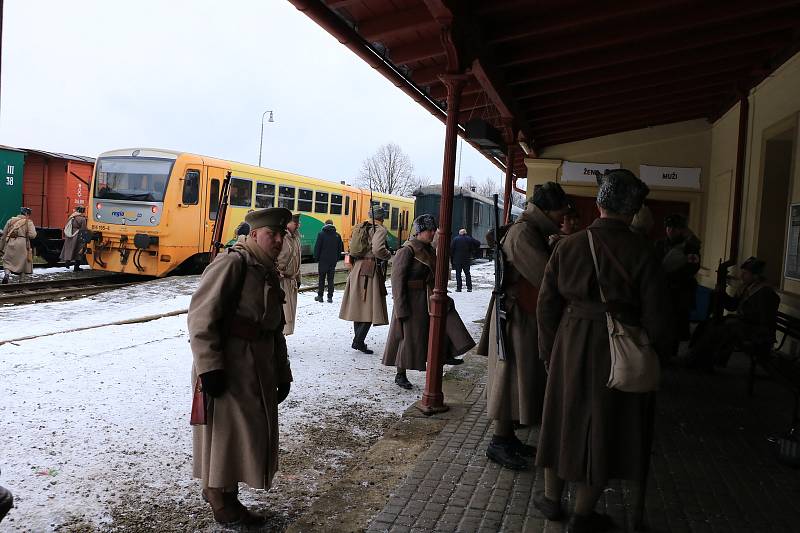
{"x":364,"y":300}
{"x":15,"y":245}
{"x":515,"y":385}
{"x":72,"y":251}
{"x":289,"y":270}
{"x":462,"y":249}
{"x":327,"y":251}
{"x":591,"y":433}
{"x":239,"y":353}
{"x":413,"y":275}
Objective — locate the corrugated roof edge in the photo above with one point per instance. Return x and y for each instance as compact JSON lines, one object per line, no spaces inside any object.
{"x":69,"y":157}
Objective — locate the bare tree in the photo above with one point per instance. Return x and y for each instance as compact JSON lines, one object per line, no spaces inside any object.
{"x":389,"y":170}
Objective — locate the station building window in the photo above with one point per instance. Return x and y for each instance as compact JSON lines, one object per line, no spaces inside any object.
{"x":241,"y":194}
{"x":286,"y":197}
{"x":321,"y":203}
{"x":395,"y":216}
{"x":265,"y":195}
{"x":336,"y":204}
{"x":191,"y":188}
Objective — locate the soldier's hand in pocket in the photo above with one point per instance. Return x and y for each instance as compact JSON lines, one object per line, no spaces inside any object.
{"x":213,"y":382}
{"x":283,"y":391}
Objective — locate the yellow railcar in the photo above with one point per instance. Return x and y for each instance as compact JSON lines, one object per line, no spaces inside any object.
{"x":153,"y":211}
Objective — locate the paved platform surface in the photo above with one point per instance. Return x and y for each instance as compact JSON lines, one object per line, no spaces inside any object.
{"x":712,"y":468}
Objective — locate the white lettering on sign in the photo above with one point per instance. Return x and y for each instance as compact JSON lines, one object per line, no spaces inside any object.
{"x":670,"y":177}
{"x":10,"y":180}
{"x":576,"y":172}
{"x":10,"y":169}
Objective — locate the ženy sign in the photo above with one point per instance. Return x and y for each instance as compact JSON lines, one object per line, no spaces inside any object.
{"x":576,"y":172}
{"x":670,"y":177}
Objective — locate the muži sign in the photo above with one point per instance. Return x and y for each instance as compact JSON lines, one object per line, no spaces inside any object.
{"x":670,"y":177}
{"x":578,"y":172}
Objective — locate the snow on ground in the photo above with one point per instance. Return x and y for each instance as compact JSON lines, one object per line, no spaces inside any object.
{"x":94,"y":424}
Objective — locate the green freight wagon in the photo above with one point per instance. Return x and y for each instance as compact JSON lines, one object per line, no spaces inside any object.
{"x":11,"y":164}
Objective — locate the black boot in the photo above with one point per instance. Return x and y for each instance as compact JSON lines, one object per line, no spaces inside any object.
{"x":318,"y":298}
{"x":549,"y":508}
{"x":525,"y":450}
{"x":591,"y":523}
{"x":77,"y":267}
{"x":330,"y":299}
{"x":502,"y":452}
{"x":361,"y":348}
{"x":5,"y":280}
{"x":402,"y":381}
{"x":453,"y":361}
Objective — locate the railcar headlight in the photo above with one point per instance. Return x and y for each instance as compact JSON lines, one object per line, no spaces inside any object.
{"x":153,"y":219}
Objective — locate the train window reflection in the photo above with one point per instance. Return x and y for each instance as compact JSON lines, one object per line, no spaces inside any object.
{"x":321,"y":202}
{"x":265,"y":195}
{"x":191,"y":187}
{"x":395,"y":213}
{"x":304,"y":200}
{"x":336,"y":204}
{"x":132,"y":178}
{"x":286,"y":197}
{"x":241,"y":192}
{"x":213,"y":200}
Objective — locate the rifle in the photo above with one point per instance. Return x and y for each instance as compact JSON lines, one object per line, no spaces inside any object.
{"x":219,"y":223}
{"x":497,"y":292}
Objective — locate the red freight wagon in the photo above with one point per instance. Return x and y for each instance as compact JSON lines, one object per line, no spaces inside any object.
{"x":53,"y":184}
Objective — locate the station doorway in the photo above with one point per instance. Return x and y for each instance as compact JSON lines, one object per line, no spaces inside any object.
{"x":775,"y":197}
{"x":660,"y":209}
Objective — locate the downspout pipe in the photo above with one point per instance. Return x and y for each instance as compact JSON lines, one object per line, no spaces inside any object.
{"x":741,"y":153}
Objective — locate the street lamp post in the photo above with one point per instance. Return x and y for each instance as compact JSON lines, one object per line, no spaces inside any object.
{"x":261,"y":142}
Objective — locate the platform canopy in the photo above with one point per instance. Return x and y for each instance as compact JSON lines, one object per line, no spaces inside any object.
{"x":560,"y":71}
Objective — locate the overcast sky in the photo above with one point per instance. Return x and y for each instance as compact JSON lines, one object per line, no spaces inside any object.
{"x":86,"y":76}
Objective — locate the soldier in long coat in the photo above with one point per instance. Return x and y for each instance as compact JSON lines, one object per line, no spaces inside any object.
{"x":236,"y":333}
{"x":591,"y":433}
{"x":364,"y":301}
{"x":289,"y":271}
{"x":413,"y":274}
{"x":515,"y":386}
{"x":15,"y":245}
{"x":73,"y":246}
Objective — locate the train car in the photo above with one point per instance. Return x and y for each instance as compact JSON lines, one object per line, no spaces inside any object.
{"x":153,"y":211}
{"x":12,"y":161}
{"x":471,"y":210}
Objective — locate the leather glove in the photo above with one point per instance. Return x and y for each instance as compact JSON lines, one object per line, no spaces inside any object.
{"x":283,"y":391}
{"x":213,"y":383}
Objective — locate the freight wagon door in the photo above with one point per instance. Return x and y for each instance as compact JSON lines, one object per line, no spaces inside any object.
{"x":215,"y":176}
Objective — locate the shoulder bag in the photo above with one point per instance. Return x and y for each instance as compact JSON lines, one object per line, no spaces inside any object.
{"x":634,"y":363}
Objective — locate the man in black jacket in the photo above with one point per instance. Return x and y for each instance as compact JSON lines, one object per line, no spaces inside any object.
{"x":327,"y":251}
{"x":462,"y":250}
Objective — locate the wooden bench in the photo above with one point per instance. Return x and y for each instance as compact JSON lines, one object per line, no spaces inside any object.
{"x":782,"y":368}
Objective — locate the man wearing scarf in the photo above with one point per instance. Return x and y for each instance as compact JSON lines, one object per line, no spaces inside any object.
{"x":236,"y":333}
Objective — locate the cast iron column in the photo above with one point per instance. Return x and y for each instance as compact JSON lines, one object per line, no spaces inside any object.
{"x":509,"y":179}
{"x":433,"y":399}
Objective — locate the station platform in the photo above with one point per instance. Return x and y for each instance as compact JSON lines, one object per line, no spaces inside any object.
{"x":712,"y":468}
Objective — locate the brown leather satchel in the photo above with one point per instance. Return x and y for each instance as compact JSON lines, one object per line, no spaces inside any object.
{"x":199,"y":415}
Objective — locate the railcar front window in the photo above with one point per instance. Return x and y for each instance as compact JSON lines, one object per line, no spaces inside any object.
{"x":132,"y":178}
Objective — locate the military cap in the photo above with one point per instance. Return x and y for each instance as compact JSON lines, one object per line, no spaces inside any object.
{"x":550,"y":197}
{"x":754,"y":265}
{"x":274,"y":218}
{"x":25,"y":211}
{"x":377,"y":212}
{"x":621,"y":192}
{"x":422,"y":223}
{"x":675,"y":220}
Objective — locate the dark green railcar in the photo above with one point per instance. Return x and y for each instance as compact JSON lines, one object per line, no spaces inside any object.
{"x":11,"y":165}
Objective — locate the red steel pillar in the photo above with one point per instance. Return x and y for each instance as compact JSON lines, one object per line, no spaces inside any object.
{"x":432,"y":399}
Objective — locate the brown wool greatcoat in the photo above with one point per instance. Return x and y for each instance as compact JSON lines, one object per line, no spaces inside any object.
{"x":240,"y":441}
{"x":413,"y":271}
{"x":72,"y":245}
{"x":289,"y":269}
{"x":591,"y":433}
{"x":15,"y":243}
{"x":368,"y":305}
{"x":515,"y":387}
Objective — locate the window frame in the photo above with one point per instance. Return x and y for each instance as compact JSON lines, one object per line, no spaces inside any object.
{"x":230,"y":192}
{"x":301,"y":201}
{"x":324,"y":203}
{"x":339,"y":204}
{"x":282,"y":199}
{"x":347,"y":205}
{"x":353,"y":213}
{"x":274,"y":195}
{"x":196,"y":188}
{"x":213,"y":199}
{"x":395,"y":218}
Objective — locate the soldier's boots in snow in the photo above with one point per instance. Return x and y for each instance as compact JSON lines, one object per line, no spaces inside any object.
{"x":361,"y":348}
{"x":229,"y":510}
{"x":503,"y":451}
{"x":402,"y":381}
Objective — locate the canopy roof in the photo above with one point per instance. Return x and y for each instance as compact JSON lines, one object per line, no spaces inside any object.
{"x":558,"y":71}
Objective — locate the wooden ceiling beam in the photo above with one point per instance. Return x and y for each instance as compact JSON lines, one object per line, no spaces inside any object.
{"x":397,"y":23}
{"x":339,"y":4}
{"x":713,"y":24}
{"x":416,"y":51}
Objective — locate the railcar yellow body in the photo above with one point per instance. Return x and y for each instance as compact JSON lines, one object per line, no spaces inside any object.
{"x":153,"y":211}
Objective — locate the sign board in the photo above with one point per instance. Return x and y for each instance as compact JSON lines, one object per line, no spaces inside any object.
{"x":670,"y":177}
{"x":576,"y":172}
{"x":792,"y":264}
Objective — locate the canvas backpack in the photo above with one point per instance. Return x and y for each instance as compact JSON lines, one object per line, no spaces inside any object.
{"x":360,"y":240}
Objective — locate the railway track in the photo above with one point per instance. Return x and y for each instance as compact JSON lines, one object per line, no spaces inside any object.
{"x":61,"y":289}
